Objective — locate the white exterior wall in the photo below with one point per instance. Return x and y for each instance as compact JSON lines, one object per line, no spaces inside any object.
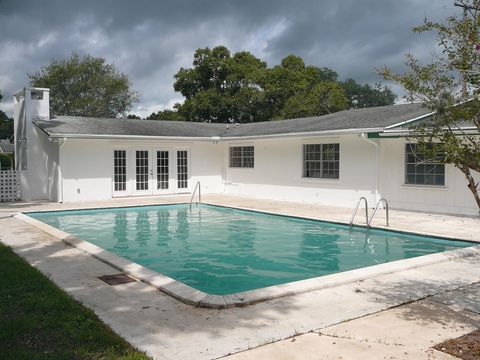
{"x":454,"y":197}
{"x":277,"y":174}
{"x":36,"y":156}
{"x":87,"y":166}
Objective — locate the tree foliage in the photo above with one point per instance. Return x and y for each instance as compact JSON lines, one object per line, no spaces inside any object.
{"x":440,"y":86}
{"x":166,"y":115}
{"x":5,"y":162}
{"x":6,"y":124}
{"x":225,"y":87}
{"x":360,"y":96}
{"x":85,"y":86}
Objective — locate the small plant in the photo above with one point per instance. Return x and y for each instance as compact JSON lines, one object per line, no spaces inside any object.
{"x":5,"y":162}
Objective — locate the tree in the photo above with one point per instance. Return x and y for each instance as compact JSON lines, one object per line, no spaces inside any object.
{"x":450,"y":87}
{"x":85,"y":86}
{"x":224,"y":87}
{"x":5,"y":162}
{"x":166,"y":114}
{"x":324,"y":98}
{"x":295,"y":90}
{"x":221,"y":87}
{"x":133,"y":116}
{"x":6,"y":124}
{"x":360,"y":96}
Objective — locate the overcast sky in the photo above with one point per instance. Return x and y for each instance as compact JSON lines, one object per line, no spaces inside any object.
{"x":150,"y":40}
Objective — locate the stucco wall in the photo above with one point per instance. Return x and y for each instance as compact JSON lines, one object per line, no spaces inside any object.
{"x":87,"y":166}
{"x":37,"y":155}
{"x":87,"y":170}
{"x":453,"y":198}
{"x":278,"y":172}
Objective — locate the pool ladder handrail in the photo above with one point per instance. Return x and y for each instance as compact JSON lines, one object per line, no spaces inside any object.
{"x":356,"y":209}
{"x":197,"y":186}
{"x":385,"y":202}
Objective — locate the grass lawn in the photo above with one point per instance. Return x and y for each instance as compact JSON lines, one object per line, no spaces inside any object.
{"x":40,"y":321}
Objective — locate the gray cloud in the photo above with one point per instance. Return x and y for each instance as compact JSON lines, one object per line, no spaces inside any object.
{"x":151,"y":40}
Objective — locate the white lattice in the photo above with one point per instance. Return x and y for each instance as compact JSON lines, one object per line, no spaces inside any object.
{"x":9,"y":185}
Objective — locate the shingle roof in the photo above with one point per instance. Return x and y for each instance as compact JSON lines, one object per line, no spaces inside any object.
{"x":357,"y":119}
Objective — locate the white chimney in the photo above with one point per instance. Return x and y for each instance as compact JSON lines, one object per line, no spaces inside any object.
{"x":30,"y":104}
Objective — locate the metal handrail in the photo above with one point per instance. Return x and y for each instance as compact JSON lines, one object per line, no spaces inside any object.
{"x":356,"y":209}
{"x":197,"y":186}
{"x":385,"y":202}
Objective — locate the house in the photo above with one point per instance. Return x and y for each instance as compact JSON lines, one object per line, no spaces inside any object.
{"x":332,"y":160}
{"x":6,"y":147}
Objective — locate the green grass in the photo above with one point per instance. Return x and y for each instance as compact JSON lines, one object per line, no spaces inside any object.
{"x":40,"y":321}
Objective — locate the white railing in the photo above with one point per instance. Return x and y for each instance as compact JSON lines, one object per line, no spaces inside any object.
{"x":9,"y":185}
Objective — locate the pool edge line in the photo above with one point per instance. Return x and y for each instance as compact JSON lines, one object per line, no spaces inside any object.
{"x":337,"y":222}
{"x":191,"y":296}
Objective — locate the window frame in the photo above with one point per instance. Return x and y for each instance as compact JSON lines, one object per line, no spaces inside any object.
{"x":242,"y":156}
{"x":321,"y":161}
{"x":434,"y":163}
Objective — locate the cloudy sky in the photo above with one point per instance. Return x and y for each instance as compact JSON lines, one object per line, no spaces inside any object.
{"x":150,"y":40}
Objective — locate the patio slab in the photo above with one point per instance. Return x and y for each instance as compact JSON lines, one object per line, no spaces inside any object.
{"x":405,"y":332}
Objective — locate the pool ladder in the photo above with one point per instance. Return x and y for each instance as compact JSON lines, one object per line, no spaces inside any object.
{"x":197,"y":186}
{"x":368,"y":220}
{"x":356,"y":209}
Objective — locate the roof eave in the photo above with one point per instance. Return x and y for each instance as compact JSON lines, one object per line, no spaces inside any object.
{"x":418,"y":118}
{"x":213,"y":138}
{"x":128,"y":137}
{"x":406,"y":132}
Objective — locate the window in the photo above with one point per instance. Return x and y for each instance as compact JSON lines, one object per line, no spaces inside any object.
{"x":120,"y":170}
{"x":182,"y":169}
{"x":321,"y":161}
{"x":420,"y":170}
{"x":242,"y":156}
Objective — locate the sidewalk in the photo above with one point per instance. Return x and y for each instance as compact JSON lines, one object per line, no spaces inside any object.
{"x":405,"y":332}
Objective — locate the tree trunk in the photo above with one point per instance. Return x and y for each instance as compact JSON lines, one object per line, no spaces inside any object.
{"x":471,"y":184}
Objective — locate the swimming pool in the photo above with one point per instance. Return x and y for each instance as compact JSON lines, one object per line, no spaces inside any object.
{"x":220,"y":250}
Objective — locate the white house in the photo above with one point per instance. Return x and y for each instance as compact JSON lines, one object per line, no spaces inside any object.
{"x":332,"y":159}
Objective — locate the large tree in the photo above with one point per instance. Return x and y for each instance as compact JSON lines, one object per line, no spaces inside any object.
{"x":85,"y":86}
{"x":450,"y":87}
{"x":222,"y":87}
{"x":6,"y":124}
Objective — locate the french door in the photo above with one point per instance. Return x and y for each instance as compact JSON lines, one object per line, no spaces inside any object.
{"x":160,"y":171}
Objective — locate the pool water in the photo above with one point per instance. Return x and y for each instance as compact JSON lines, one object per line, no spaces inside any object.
{"x":222,"y":251}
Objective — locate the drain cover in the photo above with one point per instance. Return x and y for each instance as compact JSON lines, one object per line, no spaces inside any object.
{"x":116,"y":279}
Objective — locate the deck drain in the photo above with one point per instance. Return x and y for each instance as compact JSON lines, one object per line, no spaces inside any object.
{"x":116,"y":279}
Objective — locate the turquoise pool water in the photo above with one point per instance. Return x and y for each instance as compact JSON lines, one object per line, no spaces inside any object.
{"x":221,"y":251}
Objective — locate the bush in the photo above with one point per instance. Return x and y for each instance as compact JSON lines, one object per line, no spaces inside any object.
{"x":5,"y":162}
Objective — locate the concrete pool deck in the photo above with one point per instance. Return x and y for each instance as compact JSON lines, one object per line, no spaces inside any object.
{"x":168,"y":329}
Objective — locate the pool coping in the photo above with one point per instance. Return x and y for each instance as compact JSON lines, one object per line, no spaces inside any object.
{"x":191,"y":296}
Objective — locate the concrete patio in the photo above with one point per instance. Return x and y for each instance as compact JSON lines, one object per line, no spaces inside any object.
{"x":168,"y":329}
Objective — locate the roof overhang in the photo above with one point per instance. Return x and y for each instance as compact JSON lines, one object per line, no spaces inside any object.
{"x":211,"y":138}
{"x":408,"y":132}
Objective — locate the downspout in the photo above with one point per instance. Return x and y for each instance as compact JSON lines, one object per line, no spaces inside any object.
{"x":376,"y":194}
{"x":60,"y":177}
{"x":217,"y":140}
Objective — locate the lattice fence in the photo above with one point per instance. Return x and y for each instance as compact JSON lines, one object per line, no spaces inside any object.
{"x":9,"y":185}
